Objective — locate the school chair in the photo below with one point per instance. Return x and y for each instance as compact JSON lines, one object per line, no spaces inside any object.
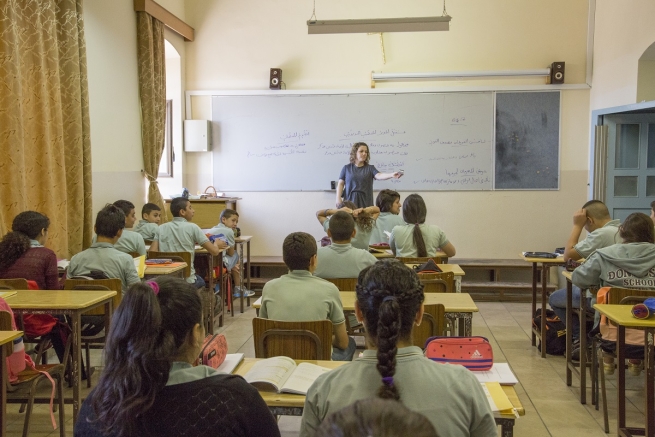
{"x":40,"y":350}
{"x":443,"y":282}
{"x":620,"y":296}
{"x":421,"y":259}
{"x":433,"y":324}
{"x":297,"y":340}
{"x":353,"y":327}
{"x":96,"y":340}
{"x":24,"y":391}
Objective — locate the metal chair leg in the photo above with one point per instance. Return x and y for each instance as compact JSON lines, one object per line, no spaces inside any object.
{"x":603,"y":391}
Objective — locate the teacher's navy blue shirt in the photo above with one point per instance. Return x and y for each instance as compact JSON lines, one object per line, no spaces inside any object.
{"x":359,"y":184}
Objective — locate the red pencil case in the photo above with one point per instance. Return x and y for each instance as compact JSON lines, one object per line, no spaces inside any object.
{"x":474,"y":353}
{"x":213,"y":351}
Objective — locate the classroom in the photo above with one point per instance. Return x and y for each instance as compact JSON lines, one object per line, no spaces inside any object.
{"x":609,"y":52}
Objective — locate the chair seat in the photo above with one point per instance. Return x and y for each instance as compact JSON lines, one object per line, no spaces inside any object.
{"x":29,"y":375}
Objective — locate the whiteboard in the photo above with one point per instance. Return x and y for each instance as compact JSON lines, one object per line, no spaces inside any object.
{"x":443,"y":141}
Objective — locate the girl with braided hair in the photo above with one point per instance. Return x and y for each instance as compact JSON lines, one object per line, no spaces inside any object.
{"x":415,"y":238}
{"x":389,"y":303}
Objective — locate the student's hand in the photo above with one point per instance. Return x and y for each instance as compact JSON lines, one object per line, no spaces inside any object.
{"x":346,"y":209}
{"x":220,"y":243}
{"x":357,"y":211}
{"x":580,"y":218}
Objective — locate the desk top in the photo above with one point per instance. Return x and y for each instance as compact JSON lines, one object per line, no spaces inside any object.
{"x":274,"y":399}
{"x":7,"y":293}
{"x":7,"y":336}
{"x":243,"y":239}
{"x":567,"y":275}
{"x":385,"y":253}
{"x":164,"y":269}
{"x":558,"y":260}
{"x":621,"y":315}
{"x":455,"y":268}
{"x":453,"y":302}
{"x":57,"y":299}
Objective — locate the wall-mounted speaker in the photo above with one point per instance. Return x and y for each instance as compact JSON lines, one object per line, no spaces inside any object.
{"x":557,"y":73}
{"x":275,"y":79}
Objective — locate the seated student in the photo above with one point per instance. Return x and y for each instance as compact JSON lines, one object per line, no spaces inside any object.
{"x":129,"y":241}
{"x":602,"y":231}
{"x":23,"y":255}
{"x":364,"y":221}
{"x":151,"y":385}
{"x":148,"y":226}
{"x":229,"y":220}
{"x":415,"y":238}
{"x":298,"y":296}
{"x":389,"y":303}
{"x":376,"y":417}
{"x":180,"y":235}
{"x":102,"y":255}
{"x":627,"y":265}
{"x":388,"y":201}
{"x":341,"y":259}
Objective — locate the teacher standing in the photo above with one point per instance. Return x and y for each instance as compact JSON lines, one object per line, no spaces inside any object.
{"x":357,"y":178}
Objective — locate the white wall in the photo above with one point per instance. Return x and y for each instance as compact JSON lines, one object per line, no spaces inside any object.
{"x":239,"y":40}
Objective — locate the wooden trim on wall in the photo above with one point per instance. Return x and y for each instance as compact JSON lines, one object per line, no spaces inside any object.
{"x":170,"y":20}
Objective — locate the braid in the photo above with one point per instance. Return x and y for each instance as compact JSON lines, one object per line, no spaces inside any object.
{"x":389,"y":295}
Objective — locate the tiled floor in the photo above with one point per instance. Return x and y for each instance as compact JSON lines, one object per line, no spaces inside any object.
{"x":551,"y":408}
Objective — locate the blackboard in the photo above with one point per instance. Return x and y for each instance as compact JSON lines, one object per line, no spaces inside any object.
{"x":443,"y":141}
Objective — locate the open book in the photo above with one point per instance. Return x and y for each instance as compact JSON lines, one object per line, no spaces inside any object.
{"x":283,"y":375}
{"x":231,"y":362}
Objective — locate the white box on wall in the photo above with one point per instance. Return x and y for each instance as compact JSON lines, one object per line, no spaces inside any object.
{"x":197,"y":135}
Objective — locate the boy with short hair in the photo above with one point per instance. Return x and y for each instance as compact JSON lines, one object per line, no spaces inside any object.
{"x":389,"y":203}
{"x":148,"y":226}
{"x":102,"y":255}
{"x":341,"y":259}
{"x":181,"y":235}
{"x":227,"y":225}
{"x":129,"y":241}
{"x":299,"y":296}
{"x":602,"y":232}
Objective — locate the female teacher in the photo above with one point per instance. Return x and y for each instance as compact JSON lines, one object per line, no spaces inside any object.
{"x":357,"y":177}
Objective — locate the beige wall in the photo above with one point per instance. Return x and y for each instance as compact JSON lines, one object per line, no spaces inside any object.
{"x":624,"y":30}
{"x":646,"y":81}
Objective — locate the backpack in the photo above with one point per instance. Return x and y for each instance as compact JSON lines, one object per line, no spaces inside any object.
{"x":555,"y":332}
{"x":609,"y":332}
{"x":428,"y":267}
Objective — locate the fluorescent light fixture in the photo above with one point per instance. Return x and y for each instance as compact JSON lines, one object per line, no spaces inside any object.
{"x":458,"y":74}
{"x":373,"y":25}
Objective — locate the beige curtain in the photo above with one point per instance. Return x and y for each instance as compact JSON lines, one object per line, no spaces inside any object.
{"x":45,"y":150}
{"x":152,"y":91}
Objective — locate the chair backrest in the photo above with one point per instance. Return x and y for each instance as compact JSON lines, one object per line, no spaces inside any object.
{"x":14,"y":284}
{"x":433,"y":323}
{"x":443,"y":282}
{"x":175,"y":256}
{"x":135,"y":254}
{"x":616,"y":294}
{"x":344,"y":284}
{"x":420,"y":259}
{"x":297,"y":340}
{"x":97,"y":284}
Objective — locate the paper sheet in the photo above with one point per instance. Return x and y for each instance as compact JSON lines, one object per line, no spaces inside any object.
{"x":499,"y":372}
{"x":140,"y":264}
{"x":231,"y":362}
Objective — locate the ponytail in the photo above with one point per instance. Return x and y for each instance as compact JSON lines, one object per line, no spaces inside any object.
{"x":414,"y":212}
{"x":148,"y":330}
{"x":419,"y":242}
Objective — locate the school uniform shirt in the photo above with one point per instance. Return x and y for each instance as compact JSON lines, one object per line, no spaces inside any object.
{"x":38,"y":264}
{"x":228,"y":233}
{"x":361,"y":239}
{"x":358,"y":187}
{"x":180,"y":235}
{"x":299,"y":296}
{"x":448,"y":395}
{"x":342,"y":261}
{"x":629,"y":265}
{"x":602,"y":237}
{"x":128,"y":242}
{"x":104,"y":257}
{"x":402,"y":238}
{"x":385,"y":222}
{"x":146,"y":229}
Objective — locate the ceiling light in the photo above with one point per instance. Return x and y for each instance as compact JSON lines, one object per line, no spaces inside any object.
{"x":409,"y":24}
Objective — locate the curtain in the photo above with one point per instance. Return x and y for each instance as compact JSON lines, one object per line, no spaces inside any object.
{"x":152,"y":92}
{"x":45,"y":149}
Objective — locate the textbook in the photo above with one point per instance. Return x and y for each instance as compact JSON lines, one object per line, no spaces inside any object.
{"x":140,"y":264}
{"x":498,"y":400}
{"x":283,"y":375}
{"x":231,"y":362}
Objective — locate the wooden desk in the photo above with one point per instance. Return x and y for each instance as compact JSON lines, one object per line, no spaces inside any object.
{"x":455,"y":268}
{"x":207,"y":211}
{"x":5,"y":337}
{"x":175,"y":269}
{"x":458,"y":306}
{"x":621,"y":316}
{"x":287,"y":404}
{"x":571,"y":367}
{"x":384,"y":253}
{"x":546,"y":263}
{"x":70,"y":303}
